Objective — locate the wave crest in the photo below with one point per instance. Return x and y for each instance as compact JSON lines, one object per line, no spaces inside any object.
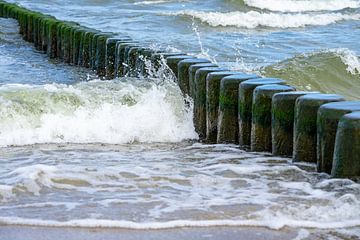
{"x":330,"y":71}
{"x":113,"y":112}
{"x":303,"y":5}
{"x":254,"y":19}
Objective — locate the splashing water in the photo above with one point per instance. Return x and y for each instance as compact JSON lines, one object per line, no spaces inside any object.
{"x":121,"y":111}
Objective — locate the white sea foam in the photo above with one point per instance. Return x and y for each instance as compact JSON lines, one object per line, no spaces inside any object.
{"x":303,"y":5}
{"x":108,"y":112}
{"x":254,"y":19}
{"x":6,"y":192}
{"x":302,"y":234}
{"x":104,"y":223}
{"x":155,"y":188}
{"x":68,"y":205}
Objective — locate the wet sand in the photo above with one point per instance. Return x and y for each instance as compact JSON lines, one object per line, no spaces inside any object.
{"x":223,"y":233}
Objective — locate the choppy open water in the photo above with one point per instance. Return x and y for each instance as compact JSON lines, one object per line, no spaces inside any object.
{"x":77,"y":151}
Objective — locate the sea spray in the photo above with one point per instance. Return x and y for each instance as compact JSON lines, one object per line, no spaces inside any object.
{"x":120,"y":111}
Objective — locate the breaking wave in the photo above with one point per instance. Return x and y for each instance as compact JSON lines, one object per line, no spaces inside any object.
{"x":331,"y":71}
{"x":106,"y":112}
{"x":254,"y":19}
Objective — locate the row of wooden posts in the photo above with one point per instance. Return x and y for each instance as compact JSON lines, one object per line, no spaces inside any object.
{"x":259,"y":114}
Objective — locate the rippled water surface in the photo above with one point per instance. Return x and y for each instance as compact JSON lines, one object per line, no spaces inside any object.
{"x":250,"y":35}
{"x":76,"y":151}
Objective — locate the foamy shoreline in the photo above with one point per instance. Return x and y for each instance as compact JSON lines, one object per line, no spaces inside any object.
{"x":254,"y":233}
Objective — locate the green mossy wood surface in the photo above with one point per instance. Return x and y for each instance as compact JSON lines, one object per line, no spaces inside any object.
{"x":212,"y":102}
{"x":192,"y":72}
{"x":346,"y":161}
{"x":133,"y":55}
{"x":228,"y":126}
{"x":129,"y":56}
{"x":120,"y":56}
{"x":94,"y":42}
{"x":327,"y":122}
{"x":52,"y":25}
{"x":144,"y":58}
{"x":261,"y":140}
{"x":158,"y":59}
{"x":110,"y":57}
{"x":44,"y":32}
{"x":66,"y":33}
{"x":200,"y":99}
{"x":245,"y":100}
{"x":305,"y":127}
{"x":101,"y":54}
{"x":172,"y":62}
{"x":59,"y":40}
{"x":85,"y":47}
{"x":76,"y":44}
{"x":282,"y":122}
{"x":183,"y":73}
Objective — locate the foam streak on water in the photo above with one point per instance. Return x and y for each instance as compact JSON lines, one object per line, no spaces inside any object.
{"x":159,"y":186}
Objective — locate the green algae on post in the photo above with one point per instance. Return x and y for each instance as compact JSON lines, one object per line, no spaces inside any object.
{"x":59,"y":40}
{"x":261,"y":140}
{"x":305,"y":127}
{"x":84,"y":47}
{"x":246,"y":89}
{"x":52,"y":37}
{"x":192,"y":72}
{"x":282,"y":122}
{"x":346,"y":161}
{"x":327,"y":122}
{"x":183,"y":73}
{"x":158,"y":59}
{"x":228,"y":125}
{"x":76,"y":44}
{"x":213,"y":80}
{"x":111,"y":55}
{"x":200,"y":99}
{"x":130,"y":52}
{"x":132,"y":59}
{"x":143,"y":64}
{"x":100,"y":54}
{"x":172,"y":62}
{"x":120,"y":56}
{"x":66,"y":41}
